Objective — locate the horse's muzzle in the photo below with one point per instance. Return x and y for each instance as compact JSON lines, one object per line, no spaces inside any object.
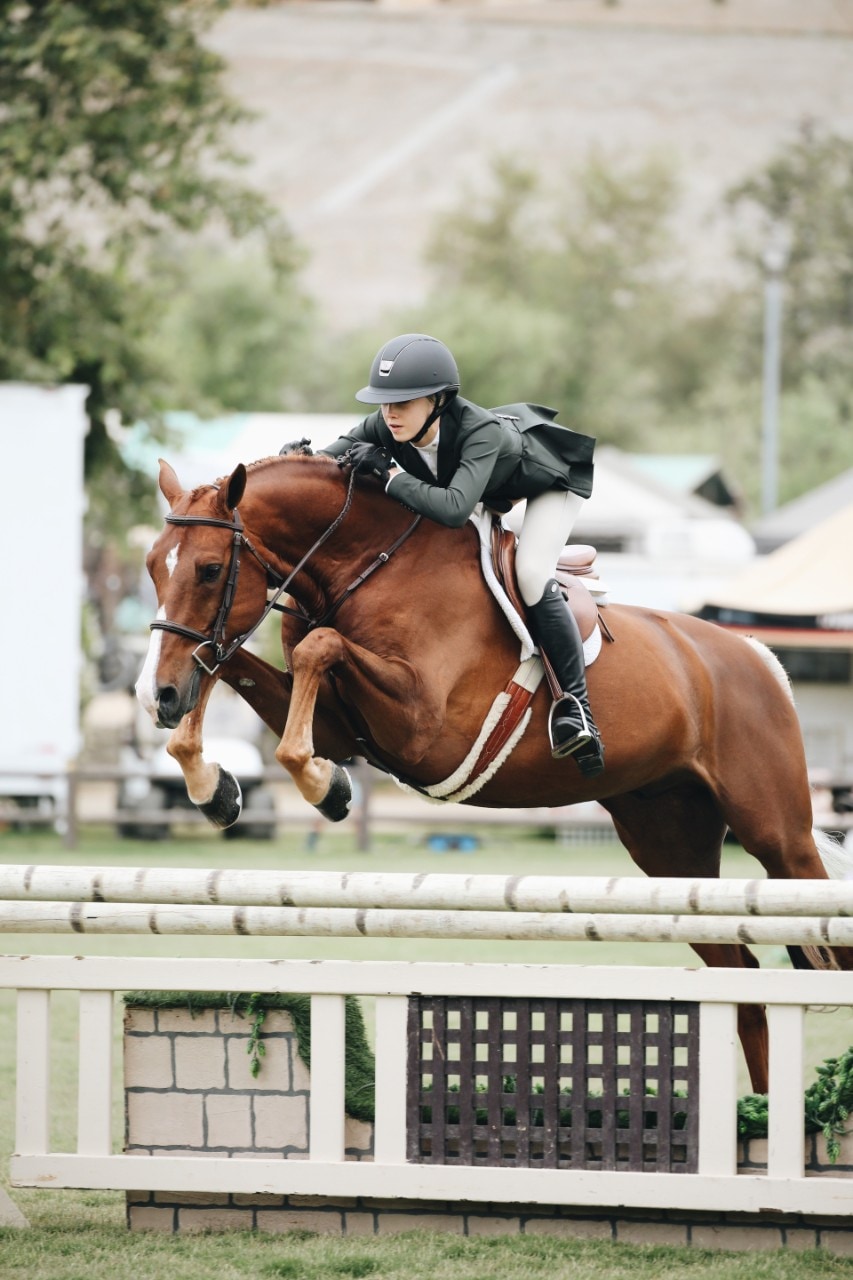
{"x":172,"y":705}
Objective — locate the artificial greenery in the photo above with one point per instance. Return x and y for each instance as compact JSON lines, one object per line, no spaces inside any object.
{"x":829,"y":1101}
{"x":360,"y":1066}
{"x":828,"y":1104}
{"x":752,"y":1116}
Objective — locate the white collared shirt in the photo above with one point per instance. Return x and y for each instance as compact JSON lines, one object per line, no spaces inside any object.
{"x":429,"y":453}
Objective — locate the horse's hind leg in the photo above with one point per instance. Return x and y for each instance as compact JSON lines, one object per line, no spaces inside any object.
{"x":756,"y":767}
{"x":766,"y":800}
{"x":679,"y":832}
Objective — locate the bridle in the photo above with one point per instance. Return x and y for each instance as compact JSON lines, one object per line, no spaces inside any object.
{"x":216,"y":640}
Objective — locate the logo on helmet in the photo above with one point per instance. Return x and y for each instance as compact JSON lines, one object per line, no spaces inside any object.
{"x":385,"y":367}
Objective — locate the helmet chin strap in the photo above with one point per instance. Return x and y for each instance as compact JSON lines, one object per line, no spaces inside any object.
{"x":443,"y":400}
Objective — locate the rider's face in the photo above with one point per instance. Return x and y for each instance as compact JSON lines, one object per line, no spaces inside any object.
{"x":405,"y":419}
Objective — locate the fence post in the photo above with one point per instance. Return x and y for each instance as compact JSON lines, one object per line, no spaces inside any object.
{"x":391,"y":1062}
{"x":326,"y":1104}
{"x":71,"y":833}
{"x":718,"y":1089}
{"x":786,"y":1141}
{"x":33,"y":1073}
{"x":95,"y":1085}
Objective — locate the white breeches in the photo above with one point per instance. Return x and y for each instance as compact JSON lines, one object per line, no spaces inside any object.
{"x":547,"y":524}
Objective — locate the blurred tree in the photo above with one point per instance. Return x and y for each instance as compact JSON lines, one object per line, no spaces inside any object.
{"x":803,"y":198}
{"x":582,"y":296}
{"x":576,"y":296}
{"x":235,"y":333}
{"x":113,"y":134}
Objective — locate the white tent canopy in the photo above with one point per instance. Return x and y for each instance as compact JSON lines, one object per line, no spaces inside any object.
{"x":811,"y":576}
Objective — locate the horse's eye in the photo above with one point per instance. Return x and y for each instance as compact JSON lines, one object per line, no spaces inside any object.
{"x":209,"y":572}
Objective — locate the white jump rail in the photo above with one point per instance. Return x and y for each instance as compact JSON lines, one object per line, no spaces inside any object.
{"x":429,"y":892}
{"x":359,"y":922}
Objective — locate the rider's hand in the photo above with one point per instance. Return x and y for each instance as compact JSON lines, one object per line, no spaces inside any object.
{"x":368,"y":460}
{"x":302,"y":446}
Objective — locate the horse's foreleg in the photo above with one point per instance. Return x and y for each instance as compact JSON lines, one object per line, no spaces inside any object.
{"x":212,"y":789}
{"x":323,"y":783}
{"x":387,"y":690}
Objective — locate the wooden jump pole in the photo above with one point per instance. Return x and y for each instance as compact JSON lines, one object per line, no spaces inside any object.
{"x":352,"y":922}
{"x":427,"y":892}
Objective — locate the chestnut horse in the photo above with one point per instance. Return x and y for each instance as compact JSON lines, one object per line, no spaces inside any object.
{"x":699,"y":725}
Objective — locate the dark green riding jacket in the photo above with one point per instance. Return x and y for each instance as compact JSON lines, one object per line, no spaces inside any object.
{"x":494,"y":456}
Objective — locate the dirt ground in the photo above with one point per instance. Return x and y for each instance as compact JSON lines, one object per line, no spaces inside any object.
{"x":372,"y":117}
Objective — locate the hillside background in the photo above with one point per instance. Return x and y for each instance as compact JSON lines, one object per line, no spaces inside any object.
{"x":373,"y":118}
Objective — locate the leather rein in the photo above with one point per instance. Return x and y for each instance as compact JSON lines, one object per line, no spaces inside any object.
{"x":279,"y":584}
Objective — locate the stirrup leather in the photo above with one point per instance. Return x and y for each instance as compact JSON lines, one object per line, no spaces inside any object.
{"x":584,"y":735}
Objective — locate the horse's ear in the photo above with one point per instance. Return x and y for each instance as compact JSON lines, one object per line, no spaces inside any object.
{"x":235,"y":487}
{"x":170,"y":485}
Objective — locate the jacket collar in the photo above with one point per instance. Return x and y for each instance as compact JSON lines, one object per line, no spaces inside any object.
{"x":412,"y":460}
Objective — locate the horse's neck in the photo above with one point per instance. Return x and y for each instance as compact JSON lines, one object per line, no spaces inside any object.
{"x":310,"y":512}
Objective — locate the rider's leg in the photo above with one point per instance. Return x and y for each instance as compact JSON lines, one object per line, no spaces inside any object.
{"x":547,"y":524}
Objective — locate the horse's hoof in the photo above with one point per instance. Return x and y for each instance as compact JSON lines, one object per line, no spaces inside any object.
{"x":226,"y":804}
{"x":336,"y":803}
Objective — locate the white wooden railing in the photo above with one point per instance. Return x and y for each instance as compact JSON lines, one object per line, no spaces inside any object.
{"x":784,"y":1187}
{"x":717,"y":1185}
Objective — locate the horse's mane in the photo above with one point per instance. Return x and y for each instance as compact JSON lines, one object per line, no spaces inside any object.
{"x":274,"y":459}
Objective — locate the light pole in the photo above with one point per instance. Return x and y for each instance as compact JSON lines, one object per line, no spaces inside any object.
{"x":775,"y":260}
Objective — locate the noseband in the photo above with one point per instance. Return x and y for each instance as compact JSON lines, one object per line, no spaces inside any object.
{"x":216,"y":640}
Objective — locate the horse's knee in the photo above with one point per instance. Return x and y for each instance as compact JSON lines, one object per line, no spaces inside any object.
{"x":318,"y":652}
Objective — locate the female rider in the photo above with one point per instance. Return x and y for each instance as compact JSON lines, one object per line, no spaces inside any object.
{"x":452,"y":454}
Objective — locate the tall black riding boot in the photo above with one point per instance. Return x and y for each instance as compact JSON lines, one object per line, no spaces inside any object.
{"x":571,"y":726}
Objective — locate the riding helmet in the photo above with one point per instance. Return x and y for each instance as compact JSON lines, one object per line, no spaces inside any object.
{"x":407,"y":367}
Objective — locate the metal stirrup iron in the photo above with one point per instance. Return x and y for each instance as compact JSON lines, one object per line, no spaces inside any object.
{"x":582,"y":738}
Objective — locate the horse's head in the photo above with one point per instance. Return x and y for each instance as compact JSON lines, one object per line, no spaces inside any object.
{"x":206,"y":596}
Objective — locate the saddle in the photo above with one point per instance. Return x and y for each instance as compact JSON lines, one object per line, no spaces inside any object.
{"x":575,"y":573}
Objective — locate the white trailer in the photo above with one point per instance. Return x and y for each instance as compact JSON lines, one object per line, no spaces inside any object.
{"x":41,"y":588}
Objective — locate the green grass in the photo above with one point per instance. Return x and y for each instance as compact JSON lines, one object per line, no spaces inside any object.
{"x":79,"y":1234}
{"x":79,"y":1245}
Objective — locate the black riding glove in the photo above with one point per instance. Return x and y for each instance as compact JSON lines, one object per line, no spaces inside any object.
{"x":368,"y":460}
{"x":302,"y":446}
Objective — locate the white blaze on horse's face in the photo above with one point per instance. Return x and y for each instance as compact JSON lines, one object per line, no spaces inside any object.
{"x":172,"y":561}
{"x":146,"y":685}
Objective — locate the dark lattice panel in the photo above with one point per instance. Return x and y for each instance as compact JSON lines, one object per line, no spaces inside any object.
{"x":553,"y":1083}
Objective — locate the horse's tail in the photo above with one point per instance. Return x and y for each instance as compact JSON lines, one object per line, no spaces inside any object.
{"x":773,"y":665}
{"x":837,"y":859}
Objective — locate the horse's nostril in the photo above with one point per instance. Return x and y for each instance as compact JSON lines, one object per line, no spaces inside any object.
{"x":167,"y":697}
